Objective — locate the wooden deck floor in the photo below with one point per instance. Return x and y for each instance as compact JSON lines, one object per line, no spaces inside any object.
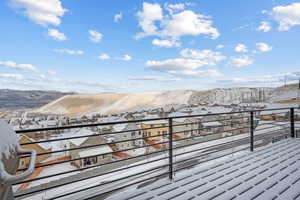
{"x":271,"y":173}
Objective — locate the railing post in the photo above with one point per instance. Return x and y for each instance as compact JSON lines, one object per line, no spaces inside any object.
{"x":170,"y":149}
{"x":292,"y":119}
{"x":251,"y":131}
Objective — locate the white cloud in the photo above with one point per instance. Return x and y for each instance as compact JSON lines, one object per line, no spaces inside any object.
{"x":95,"y":36}
{"x":190,"y":63}
{"x":188,"y":23}
{"x":264,"y":26}
{"x":147,"y":18}
{"x":197,"y":73}
{"x":51,"y":72}
{"x":12,"y":76}
{"x":42,"y":12}
{"x":175,"y":7}
{"x":165,"y":43}
{"x":126,"y":58}
{"x":263,"y":47}
{"x":176,"y":64}
{"x":154,"y":78}
{"x":241,"y":61}
{"x":207,"y":56}
{"x":41,"y":81}
{"x":220,"y":46}
{"x":11,"y":64}
{"x":181,"y":67}
{"x":55,"y":34}
{"x":118,"y":17}
{"x":69,"y":51}
{"x":104,"y":56}
{"x":287,"y":16}
{"x":174,"y":25}
{"x":275,"y":80}
{"x":240,"y":48}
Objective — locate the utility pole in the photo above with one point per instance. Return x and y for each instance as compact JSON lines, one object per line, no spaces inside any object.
{"x":285,"y":81}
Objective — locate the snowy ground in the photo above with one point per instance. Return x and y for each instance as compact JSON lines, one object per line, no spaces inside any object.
{"x":267,"y":174}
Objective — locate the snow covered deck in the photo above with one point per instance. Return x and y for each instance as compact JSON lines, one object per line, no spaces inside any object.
{"x":270,"y":173}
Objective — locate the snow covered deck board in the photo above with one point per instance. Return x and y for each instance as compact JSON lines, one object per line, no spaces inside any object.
{"x":271,"y":173}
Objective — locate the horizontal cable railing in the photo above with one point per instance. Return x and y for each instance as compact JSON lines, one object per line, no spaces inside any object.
{"x":154,"y":145}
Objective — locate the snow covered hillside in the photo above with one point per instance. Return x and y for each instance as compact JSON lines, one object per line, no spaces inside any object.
{"x":80,"y":104}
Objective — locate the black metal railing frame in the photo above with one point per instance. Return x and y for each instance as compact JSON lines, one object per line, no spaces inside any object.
{"x":169,"y":125}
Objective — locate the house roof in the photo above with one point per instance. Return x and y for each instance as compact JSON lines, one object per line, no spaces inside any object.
{"x":211,"y":123}
{"x":95,"y":151}
{"x":81,"y":132}
{"x":45,"y":145}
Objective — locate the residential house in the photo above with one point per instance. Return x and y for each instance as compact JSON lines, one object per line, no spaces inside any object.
{"x":130,"y":133}
{"x":89,"y":155}
{"x":154,"y":128}
{"x":39,"y":148}
{"x":185,"y":127}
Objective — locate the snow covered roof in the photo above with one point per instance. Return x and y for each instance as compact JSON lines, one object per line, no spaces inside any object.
{"x":44,"y":145}
{"x":211,"y":124}
{"x":81,"y":132}
{"x":177,"y":114}
{"x":218,"y":109}
{"x":99,"y":150}
{"x":119,"y":127}
{"x":154,"y":121}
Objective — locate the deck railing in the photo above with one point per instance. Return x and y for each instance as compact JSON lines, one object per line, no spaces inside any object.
{"x":180,"y":144}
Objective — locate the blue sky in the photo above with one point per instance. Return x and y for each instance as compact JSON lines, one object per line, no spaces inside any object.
{"x":136,"y":46}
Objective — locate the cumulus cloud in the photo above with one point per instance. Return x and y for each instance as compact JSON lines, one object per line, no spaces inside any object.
{"x":69,"y":51}
{"x":240,"y":48}
{"x":13,"y":65}
{"x":104,"y":56}
{"x":165,"y":43}
{"x":241,"y":61}
{"x":171,"y":8}
{"x":181,"y":66}
{"x":42,"y":12}
{"x":263,"y":47}
{"x":207,"y":56}
{"x":147,"y":18}
{"x":189,"y":63}
{"x":126,"y":58}
{"x":264,"y":26}
{"x":154,"y":78}
{"x":171,"y":65}
{"x":95,"y":36}
{"x":56,"y":35}
{"x":118,"y":17}
{"x":189,"y":23}
{"x":220,"y":46}
{"x":173,"y":25}
{"x":287,"y":16}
